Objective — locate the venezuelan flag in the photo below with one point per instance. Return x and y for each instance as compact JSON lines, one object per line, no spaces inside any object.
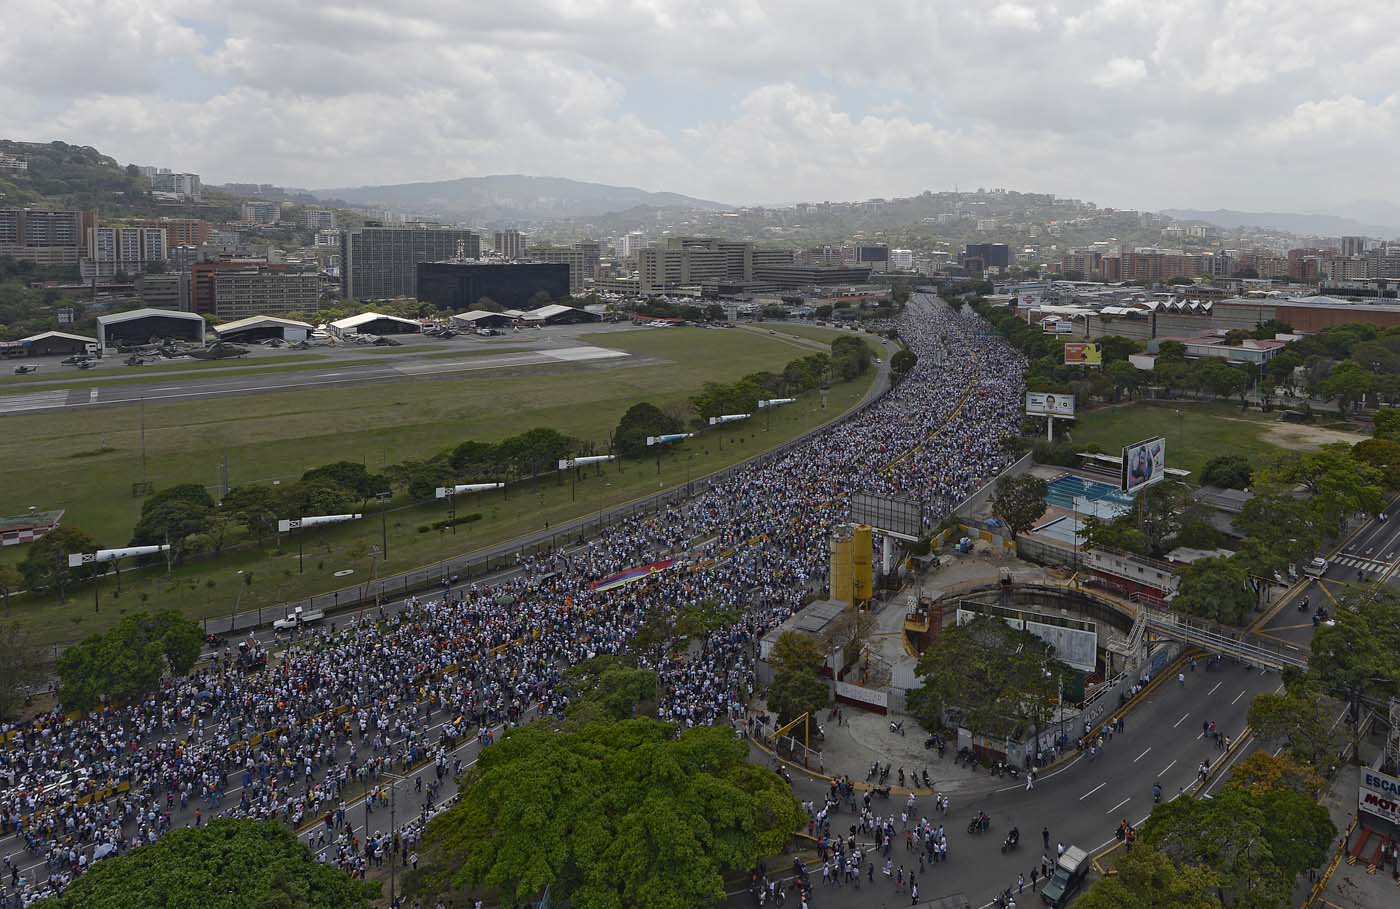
{"x":630,"y":575}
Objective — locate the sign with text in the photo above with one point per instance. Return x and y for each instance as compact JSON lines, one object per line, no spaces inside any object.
{"x":1380,"y":795}
{"x":1043,"y":404}
{"x":1144,"y":464}
{"x":1083,"y":353}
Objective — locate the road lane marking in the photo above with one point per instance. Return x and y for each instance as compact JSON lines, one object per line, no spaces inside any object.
{"x":1141,"y":756}
{"x":1180,"y":721}
{"x":1212,"y":691}
{"x":1237,"y":697}
{"x":1092,"y":791}
{"x":1119,"y":805}
{"x":1168,"y":767}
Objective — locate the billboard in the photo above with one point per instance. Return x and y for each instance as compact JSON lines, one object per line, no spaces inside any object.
{"x":1380,"y":795}
{"x":1144,"y":463}
{"x":1043,"y":404}
{"x":894,"y":515}
{"x":1083,"y":353}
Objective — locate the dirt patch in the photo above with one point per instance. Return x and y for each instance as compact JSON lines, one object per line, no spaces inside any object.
{"x":1297,"y":435}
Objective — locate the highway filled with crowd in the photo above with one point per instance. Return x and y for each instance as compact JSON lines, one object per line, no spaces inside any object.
{"x":385,"y":711}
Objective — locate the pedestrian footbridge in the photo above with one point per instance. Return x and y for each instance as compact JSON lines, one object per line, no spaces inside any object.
{"x":1212,"y":639}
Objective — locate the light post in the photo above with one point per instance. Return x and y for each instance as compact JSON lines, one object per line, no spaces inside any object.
{"x":384,"y":498}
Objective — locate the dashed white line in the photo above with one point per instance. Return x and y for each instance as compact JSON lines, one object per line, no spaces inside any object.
{"x":1212,"y":691}
{"x":1141,"y":756}
{"x":1119,"y":805}
{"x":1168,"y":767}
{"x":1238,"y":696}
{"x":1092,"y":791}
{"x":1180,"y":721}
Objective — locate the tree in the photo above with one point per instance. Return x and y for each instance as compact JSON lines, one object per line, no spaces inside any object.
{"x":1216,"y":588}
{"x":1383,"y":455}
{"x":226,"y":864}
{"x":1019,"y":502}
{"x":45,"y":567}
{"x":10,"y":581}
{"x":639,"y":422}
{"x":1358,"y":655}
{"x":1227,"y":471}
{"x":127,"y":661}
{"x":21,"y":666}
{"x":797,"y":688}
{"x":903,"y":362}
{"x":1387,"y":423}
{"x":1339,"y":484}
{"x":255,"y":507}
{"x":1148,"y":879}
{"x":352,"y":476}
{"x":1000,"y":678}
{"x":1225,"y":834}
{"x":613,"y":815}
{"x":1295,"y":721}
{"x":1348,"y":383}
{"x":1124,"y":376}
{"x":1279,"y":530}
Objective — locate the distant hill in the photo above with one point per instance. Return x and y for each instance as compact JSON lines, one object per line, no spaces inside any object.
{"x":1292,"y":222}
{"x":72,"y":175}
{"x":508,"y":196}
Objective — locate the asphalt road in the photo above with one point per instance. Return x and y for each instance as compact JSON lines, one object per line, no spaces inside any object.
{"x":1081,"y":803}
{"x":198,"y":385}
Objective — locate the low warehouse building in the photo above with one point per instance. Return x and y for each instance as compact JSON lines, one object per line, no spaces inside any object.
{"x":57,"y":344}
{"x":480,"y":318}
{"x":261,"y":328}
{"x":374,"y":323}
{"x":141,"y":326}
{"x":559,"y":314}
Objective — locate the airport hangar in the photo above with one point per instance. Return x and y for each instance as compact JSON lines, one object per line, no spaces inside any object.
{"x":139,"y":326}
{"x":261,"y":328}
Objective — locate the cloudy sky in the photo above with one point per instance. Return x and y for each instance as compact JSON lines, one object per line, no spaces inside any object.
{"x":1260,"y":104}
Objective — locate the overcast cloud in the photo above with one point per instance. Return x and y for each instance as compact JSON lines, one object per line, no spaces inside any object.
{"x":1261,"y":104}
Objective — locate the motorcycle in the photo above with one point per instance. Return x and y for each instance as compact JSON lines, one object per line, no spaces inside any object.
{"x":882,"y":791}
{"x":1012,"y":840}
{"x":979,"y":823}
{"x":1156,"y":792}
{"x":897,"y":727}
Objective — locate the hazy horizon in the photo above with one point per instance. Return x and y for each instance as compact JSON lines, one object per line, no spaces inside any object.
{"x":1205,"y":105}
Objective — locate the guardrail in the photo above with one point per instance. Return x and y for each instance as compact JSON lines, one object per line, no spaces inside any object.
{"x":1214,"y":640}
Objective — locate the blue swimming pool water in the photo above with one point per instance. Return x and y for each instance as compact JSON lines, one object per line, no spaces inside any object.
{"x":1087,"y":496}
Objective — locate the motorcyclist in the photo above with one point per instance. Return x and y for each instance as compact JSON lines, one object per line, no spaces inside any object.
{"x":1156,"y":792}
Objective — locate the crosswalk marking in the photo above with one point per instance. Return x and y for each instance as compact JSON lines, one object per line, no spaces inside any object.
{"x":39,"y":400}
{"x":1361,"y":562}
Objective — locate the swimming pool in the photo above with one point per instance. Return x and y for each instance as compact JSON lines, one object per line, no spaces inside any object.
{"x":1088,"y":497}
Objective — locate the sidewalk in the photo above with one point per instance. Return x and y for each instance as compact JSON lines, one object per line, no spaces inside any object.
{"x":1341,"y":884}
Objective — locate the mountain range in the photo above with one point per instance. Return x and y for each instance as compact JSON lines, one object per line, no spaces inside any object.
{"x":508,"y":196}
{"x":1374,"y":219}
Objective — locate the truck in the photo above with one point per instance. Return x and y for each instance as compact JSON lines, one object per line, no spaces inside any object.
{"x":1316,"y":568}
{"x":1068,"y":876}
{"x":297,"y":618}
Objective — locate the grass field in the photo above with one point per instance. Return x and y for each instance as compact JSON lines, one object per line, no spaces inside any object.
{"x":57,"y":460}
{"x":811,"y":332}
{"x":48,"y":373}
{"x":1195,"y":431}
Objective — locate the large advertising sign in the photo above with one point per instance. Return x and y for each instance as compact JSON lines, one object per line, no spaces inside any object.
{"x":895,"y":515}
{"x":1380,"y":795}
{"x":1043,"y":404}
{"x":1144,"y":463}
{"x":1083,"y":353}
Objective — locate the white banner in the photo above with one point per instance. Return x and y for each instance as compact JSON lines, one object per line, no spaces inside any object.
{"x":1380,"y":795}
{"x":1040,"y":403}
{"x":880,"y":699}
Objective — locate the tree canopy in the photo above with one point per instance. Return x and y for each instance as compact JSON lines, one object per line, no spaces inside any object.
{"x":1228,"y":471}
{"x":797,"y":688}
{"x":225,"y":864}
{"x":612,"y":816}
{"x":45,"y":566}
{"x":127,"y":661}
{"x":1216,"y":588}
{"x":1019,"y":501}
{"x":639,"y":422}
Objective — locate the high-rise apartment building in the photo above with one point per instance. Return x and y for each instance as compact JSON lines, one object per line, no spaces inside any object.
{"x":255,"y":290}
{"x":582,"y":259}
{"x":508,"y":244}
{"x":186,"y":186}
{"x":377,"y":263}
{"x":128,"y":250}
{"x":179,"y":231}
{"x":50,"y":239}
{"x":1353,"y":246}
{"x":902,"y":259}
{"x":318,"y":219}
{"x":683,"y":261}
{"x":261,"y":213}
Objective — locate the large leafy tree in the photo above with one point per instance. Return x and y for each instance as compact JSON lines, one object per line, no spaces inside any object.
{"x":21,"y":666}
{"x":903,"y":362}
{"x":1337,"y":482}
{"x":226,"y":864}
{"x":352,"y":476}
{"x":255,"y":507}
{"x":1148,"y":879}
{"x":1295,"y":721}
{"x":1358,"y":655}
{"x":796,"y":659}
{"x":45,"y":566}
{"x":639,"y":422}
{"x":1216,"y":588}
{"x":1019,"y":502}
{"x":998,"y":677}
{"x":1228,"y":471}
{"x":1278,"y":530}
{"x":127,"y":661}
{"x":1384,"y":456}
{"x":612,"y":816}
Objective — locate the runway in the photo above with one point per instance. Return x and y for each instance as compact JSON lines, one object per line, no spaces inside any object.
{"x":163,"y":388}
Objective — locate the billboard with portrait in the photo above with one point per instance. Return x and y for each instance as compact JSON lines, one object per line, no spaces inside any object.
{"x":1083,"y":353}
{"x":1043,"y":404}
{"x":1144,"y":463}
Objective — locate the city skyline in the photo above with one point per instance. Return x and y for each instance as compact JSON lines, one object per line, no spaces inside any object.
{"x":1132,"y":104}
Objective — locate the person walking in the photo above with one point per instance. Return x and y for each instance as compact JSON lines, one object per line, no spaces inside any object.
{"x":1030,"y":780}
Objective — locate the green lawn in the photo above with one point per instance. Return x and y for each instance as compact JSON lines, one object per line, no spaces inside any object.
{"x":1201,"y":431}
{"x":49,"y":373}
{"x":811,"y":332}
{"x":57,"y":460}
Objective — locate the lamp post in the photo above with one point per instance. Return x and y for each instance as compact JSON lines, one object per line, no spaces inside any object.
{"x":384,"y":498}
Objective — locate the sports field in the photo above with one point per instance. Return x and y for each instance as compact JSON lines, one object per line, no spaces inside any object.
{"x":87,"y":464}
{"x":1197,"y":431}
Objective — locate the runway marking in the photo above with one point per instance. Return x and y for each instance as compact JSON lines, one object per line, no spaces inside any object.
{"x":1168,"y":767}
{"x":1238,"y":696}
{"x":1141,"y":756}
{"x":92,"y":396}
{"x":1180,"y":721}
{"x":327,"y":375}
{"x":1212,"y":691}
{"x":1119,"y":805}
{"x":39,"y":400}
{"x":1092,"y":791}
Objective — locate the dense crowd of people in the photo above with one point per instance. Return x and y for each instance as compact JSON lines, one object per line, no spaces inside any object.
{"x":389,"y":700}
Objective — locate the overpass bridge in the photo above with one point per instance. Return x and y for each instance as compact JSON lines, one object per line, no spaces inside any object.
{"x":1212,"y":639}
